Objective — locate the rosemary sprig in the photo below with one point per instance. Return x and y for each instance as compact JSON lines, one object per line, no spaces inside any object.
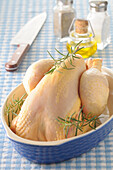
{"x":70,"y":57}
{"x":13,"y":107}
{"x":79,"y":123}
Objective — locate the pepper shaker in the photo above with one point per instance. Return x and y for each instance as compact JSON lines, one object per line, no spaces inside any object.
{"x":100,"y":21}
{"x":64,"y":13}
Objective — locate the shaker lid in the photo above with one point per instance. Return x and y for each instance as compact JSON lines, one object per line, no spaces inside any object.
{"x":98,"y":6}
{"x":65,"y":2}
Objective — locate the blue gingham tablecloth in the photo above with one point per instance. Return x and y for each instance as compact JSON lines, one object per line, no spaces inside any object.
{"x":13,"y":15}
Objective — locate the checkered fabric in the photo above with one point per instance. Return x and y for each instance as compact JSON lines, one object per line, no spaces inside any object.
{"x":13,"y":15}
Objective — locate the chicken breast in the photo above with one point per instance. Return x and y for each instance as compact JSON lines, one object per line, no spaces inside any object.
{"x":55,"y":95}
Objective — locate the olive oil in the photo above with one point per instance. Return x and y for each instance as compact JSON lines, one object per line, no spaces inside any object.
{"x":81,"y":34}
{"x":88,"y":50}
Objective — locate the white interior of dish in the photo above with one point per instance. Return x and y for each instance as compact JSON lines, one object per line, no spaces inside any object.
{"x":19,"y":91}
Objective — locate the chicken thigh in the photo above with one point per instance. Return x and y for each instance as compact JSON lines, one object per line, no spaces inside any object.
{"x":55,"y":95}
{"x":35,"y":73}
{"x":94,"y":88}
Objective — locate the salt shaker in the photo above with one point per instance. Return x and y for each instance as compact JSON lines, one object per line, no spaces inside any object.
{"x":63,"y":16}
{"x":100,"y":21}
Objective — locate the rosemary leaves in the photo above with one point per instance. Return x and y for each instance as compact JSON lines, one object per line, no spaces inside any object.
{"x":12,"y":108}
{"x":79,"y":122}
{"x":57,"y":62}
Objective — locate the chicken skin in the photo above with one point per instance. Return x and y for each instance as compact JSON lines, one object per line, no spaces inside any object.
{"x":55,"y":95}
{"x":94,"y":88}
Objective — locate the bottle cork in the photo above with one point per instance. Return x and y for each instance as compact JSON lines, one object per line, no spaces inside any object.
{"x":81,"y":26}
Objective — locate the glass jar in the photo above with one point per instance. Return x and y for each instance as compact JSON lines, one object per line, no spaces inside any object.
{"x":81,"y":33}
{"x":100,"y":22}
{"x":63,"y":16}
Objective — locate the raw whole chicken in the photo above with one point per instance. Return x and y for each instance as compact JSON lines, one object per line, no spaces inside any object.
{"x":55,"y":95}
{"x":35,"y":73}
{"x":94,"y":88}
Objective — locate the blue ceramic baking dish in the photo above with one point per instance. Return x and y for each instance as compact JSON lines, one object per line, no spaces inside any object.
{"x":55,"y":151}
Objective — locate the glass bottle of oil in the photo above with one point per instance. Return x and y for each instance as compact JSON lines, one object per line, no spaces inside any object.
{"x":80,"y":33}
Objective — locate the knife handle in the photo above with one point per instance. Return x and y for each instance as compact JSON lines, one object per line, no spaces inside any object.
{"x":16,"y":59}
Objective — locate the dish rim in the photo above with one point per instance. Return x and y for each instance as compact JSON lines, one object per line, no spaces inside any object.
{"x":19,"y":139}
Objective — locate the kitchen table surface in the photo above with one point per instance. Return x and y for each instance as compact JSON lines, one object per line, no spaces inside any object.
{"x":13,"y":15}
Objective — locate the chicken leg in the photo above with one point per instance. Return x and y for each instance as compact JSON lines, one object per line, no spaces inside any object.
{"x":94,"y":90}
{"x":35,"y":73}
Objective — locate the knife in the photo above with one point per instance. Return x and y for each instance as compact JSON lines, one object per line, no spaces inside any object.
{"x":23,"y":39}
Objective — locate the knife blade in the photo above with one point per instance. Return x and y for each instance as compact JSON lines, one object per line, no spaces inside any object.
{"x":24,"y":39}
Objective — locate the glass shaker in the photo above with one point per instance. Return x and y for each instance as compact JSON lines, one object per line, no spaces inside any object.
{"x":63,"y":16}
{"x":80,"y":32}
{"x":100,"y":22}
